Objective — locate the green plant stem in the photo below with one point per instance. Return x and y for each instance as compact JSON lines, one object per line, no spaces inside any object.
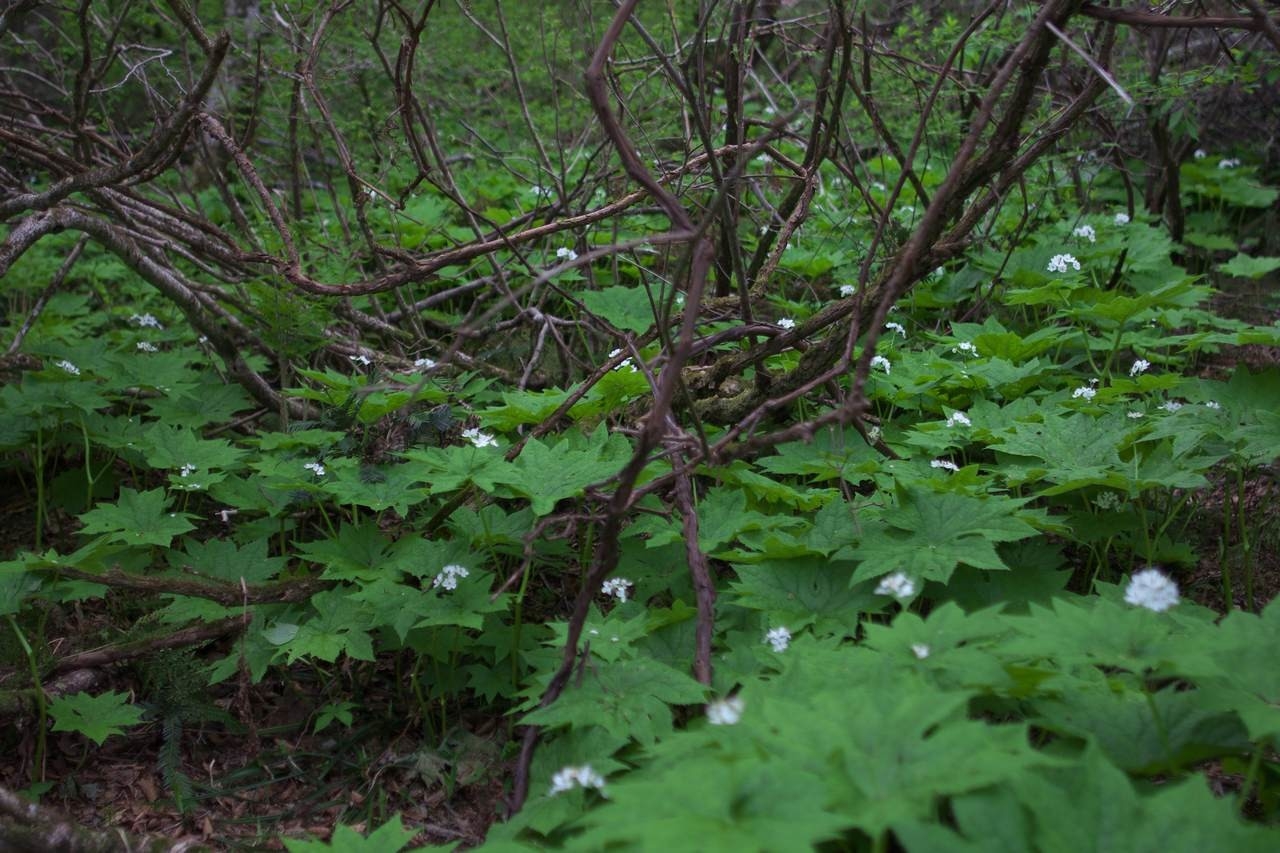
{"x":37,"y":769}
{"x":1246,"y":547}
{"x":1223,"y":559}
{"x":1250,"y":778}
{"x":38,"y":464}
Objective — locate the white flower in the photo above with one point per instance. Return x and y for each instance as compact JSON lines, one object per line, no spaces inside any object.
{"x":1059,"y":263}
{"x":965,"y":348}
{"x":1150,"y":588}
{"x":848,"y":290}
{"x":1122,"y":219}
{"x":478,"y":438}
{"x":1200,"y":154}
{"x":1229,"y":163}
{"x":896,"y":327}
{"x":315,"y":468}
{"x":1135,"y":415}
{"x":145,"y":321}
{"x":186,"y":470}
{"x":940,"y":271}
{"x":1084,"y":392}
{"x":876,"y":185}
{"x":1087,"y":232}
{"x":1212,"y":404}
{"x":880,"y":362}
{"x":564,"y":253}
{"x":945,"y":464}
{"x":423,"y":363}
{"x":873,"y":434}
{"x":920,"y":650}
{"x":779,"y":638}
{"x":619,"y":588}
{"x":898,"y":585}
{"x":361,"y":359}
{"x":626,"y":362}
{"x":147,"y":346}
{"x":1107,"y":500}
{"x":568,"y":778}
{"x":725,"y":712}
{"x":958,"y":418}
{"x":67,"y":366}
{"x":1139,"y":366}
{"x":448,"y":577}
{"x":786,"y":323}
{"x":1171,"y":406}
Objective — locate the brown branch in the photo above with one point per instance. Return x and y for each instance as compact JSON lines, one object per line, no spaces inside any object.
{"x":190,"y":636}
{"x":228,"y":595}
{"x":1135,"y":18}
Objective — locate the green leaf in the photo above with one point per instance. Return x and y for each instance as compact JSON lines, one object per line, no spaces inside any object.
{"x":223,"y":560}
{"x":391,"y":837}
{"x":96,"y":717}
{"x":550,"y":474}
{"x":627,"y":308}
{"x":1246,"y":266}
{"x":931,"y":533}
{"x":137,"y":518}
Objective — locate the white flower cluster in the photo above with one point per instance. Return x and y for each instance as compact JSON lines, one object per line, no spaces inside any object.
{"x":786,"y":323}
{"x":1171,"y":406}
{"x":564,"y":253}
{"x":898,"y":585}
{"x":1139,"y":366}
{"x":958,"y":418}
{"x":1059,"y":263}
{"x":945,"y":464}
{"x":881,"y":362}
{"x":1150,"y":588}
{"x":1229,"y":163}
{"x":920,"y":650}
{"x":67,"y":366}
{"x":1200,"y":154}
{"x":423,"y":363}
{"x":626,"y":362}
{"x":1122,"y":219}
{"x":1087,"y":232}
{"x":896,"y":327}
{"x":619,"y":588}
{"x":725,"y":712}
{"x":147,"y":346}
{"x":186,"y":470}
{"x":568,"y":778}
{"x":1212,"y":404}
{"x":1084,"y":392}
{"x":478,"y":438}
{"x":145,"y":321}
{"x":847,"y":290}
{"x":448,"y":577}
{"x":360,"y":359}
{"x":965,"y":348}
{"x":315,"y":468}
{"x":778,"y":638}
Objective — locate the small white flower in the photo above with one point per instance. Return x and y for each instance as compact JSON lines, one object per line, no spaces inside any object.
{"x":478,"y":438}
{"x":423,"y":363}
{"x":1107,"y":500}
{"x":880,"y":362}
{"x":876,"y":185}
{"x":873,"y":434}
{"x":848,"y":290}
{"x":147,"y":346}
{"x":619,"y":588}
{"x":1135,"y":415}
{"x":945,"y":464}
{"x":779,"y":638}
{"x":361,"y":359}
{"x":145,"y":321}
{"x":564,"y":253}
{"x":940,"y":271}
{"x":786,"y":323}
{"x":626,"y":362}
{"x":1150,"y":588}
{"x":1084,"y":392}
{"x":568,"y":778}
{"x":920,"y":650}
{"x":315,"y":468}
{"x":1121,"y":219}
{"x":448,"y":576}
{"x":1087,"y":232}
{"x":1139,"y":366}
{"x":186,"y":470}
{"x":1059,"y":263}
{"x":1229,"y":163}
{"x":965,"y":348}
{"x":1212,"y":404}
{"x":725,"y":712}
{"x":67,"y":366}
{"x":1171,"y":406}
{"x":896,"y":327}
{"x":1200,"y":154}
{"x":898,"y":585}
{"x":958,"y":418}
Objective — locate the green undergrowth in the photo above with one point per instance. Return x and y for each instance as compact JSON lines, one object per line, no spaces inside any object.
{"x":944,"y":648}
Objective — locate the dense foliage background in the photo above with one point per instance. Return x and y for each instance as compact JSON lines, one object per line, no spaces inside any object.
{"x":756,"y":425}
